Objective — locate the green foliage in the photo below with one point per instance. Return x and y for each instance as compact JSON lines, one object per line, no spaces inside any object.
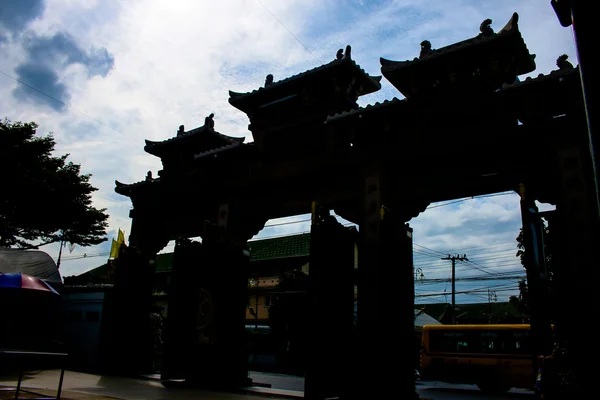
{"x":521,"y":302}
{"x":44,"y":198}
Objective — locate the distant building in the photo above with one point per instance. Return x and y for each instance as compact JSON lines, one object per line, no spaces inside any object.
{"x":86,"y":321}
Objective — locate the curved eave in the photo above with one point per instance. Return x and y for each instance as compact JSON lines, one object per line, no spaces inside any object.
{"x":157,"y":148}
{"x":218,"y":150}
{"x":373,"y":85}
{"x":511,"y":28}
{"x":127,"y":189}
{"x":151,"y":146}
{"x":235,"y":139}
{"x":233,"y":95}
{"x":553,"y":75}
{"x":238,"y":100}
{"x":122,"y":188}
{"x":347,"y":115}
{"x":385,"y":63}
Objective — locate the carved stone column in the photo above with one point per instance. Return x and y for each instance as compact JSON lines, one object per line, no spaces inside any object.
{"x":207,"y":302}
{"x":129,"y":305}
{"x":576,"y":229}
{"x":332,"y":293}
{"x":535,"y":267}
{"x":385,"y":362}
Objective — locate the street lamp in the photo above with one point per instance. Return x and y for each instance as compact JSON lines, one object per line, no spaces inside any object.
{"x":254,"y":282}
{"x":419,"y":274}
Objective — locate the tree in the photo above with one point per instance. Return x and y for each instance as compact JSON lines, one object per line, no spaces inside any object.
{"x":44,"y":198}
{"x":521,"y":302}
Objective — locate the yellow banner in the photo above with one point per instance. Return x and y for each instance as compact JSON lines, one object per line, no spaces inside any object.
{"x":120,"y":238}
{"x":114,"y":249}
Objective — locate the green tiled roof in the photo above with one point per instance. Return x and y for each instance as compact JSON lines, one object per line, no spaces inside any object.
{"x":260,"y":250}
{"x":283,"y":247}
{"x":164,"y":262}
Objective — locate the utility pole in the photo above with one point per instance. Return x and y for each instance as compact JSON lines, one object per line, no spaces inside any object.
{"x":62,"y":243}
{"x":491,"y":296}
{"x":454,"y":258}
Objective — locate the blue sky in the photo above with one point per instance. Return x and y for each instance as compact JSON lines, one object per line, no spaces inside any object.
{"x":121,"y":72}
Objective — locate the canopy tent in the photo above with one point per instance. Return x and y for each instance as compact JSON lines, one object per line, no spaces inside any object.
{"x":34,"y":263}
{"x":30,"y":313}
{"x":422,"y":319}
{"x":26,"y":282}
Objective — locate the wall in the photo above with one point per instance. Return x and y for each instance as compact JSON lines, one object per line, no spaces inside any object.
{"x":82,"y":316}
{"x":259,"y":300}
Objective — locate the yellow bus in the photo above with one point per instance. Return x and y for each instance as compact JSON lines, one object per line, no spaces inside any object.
{"x":495,"y":357}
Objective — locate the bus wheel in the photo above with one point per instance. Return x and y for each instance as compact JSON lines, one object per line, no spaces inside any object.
{"x":493,"y":387}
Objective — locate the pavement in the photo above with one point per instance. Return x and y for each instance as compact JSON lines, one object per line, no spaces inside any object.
{"x":82,"y":386}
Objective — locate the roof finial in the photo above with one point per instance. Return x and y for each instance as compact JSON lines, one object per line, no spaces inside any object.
{"x":149,"y":176}
{"x":209,"y":122}
{"x":562,"y":63}
{"x":181,"y":130}
{"x":485,"y":28}
{"x":269,"y":80}
{"x":425,"y":48}
{"x":340,"y":54}
{"x":347,"y":53}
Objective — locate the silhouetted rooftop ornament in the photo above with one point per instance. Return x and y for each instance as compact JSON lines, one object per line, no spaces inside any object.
{"x":198,"y":140}
{"x":340,"y":54}
{"x":347,"y":53}
{"x":281,"y":90}
{"x":562,"y":63}
{"x":269,"y":80}
{"x":481,"y":63}
{"x":425,"y":48}
{"x":149,"y":176}
{"x":209,"y":121}
{"x":485,"y":28}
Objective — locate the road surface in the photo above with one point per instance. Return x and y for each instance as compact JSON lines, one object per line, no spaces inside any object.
{"x":427,"y":389}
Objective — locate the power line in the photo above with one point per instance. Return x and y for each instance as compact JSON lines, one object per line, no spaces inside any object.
{"x":474,"y":265}
{"x":290,"y":32}
{"x":465,"y":292}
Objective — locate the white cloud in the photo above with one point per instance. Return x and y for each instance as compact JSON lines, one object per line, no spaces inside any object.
{"x":174,"y":63}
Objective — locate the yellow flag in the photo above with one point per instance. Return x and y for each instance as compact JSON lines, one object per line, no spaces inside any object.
{"x":120,"y":238}
{"x":114,"y":249}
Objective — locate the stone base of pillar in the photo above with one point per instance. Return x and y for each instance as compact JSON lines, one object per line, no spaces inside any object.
{"x":205,"y":342}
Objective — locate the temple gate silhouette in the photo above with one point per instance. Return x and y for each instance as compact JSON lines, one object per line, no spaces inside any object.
{"x":315,"y":150}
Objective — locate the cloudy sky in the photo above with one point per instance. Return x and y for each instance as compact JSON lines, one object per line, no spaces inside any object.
{"x":103,"y":75}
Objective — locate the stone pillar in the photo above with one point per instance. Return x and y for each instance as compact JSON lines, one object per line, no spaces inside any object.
{"x":385,"y":362}
{"x":207,"y":301}
{"x":575,"y":227}
{"x":184,"y":298}
{"x":332,"y":301}
{"x":130,"y":335}
{"x":537,"y":279}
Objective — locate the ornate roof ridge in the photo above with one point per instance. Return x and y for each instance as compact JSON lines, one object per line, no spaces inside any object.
{"x":376,"y":79}
{"x":121,"y":185}
{"x":190,"y":133}
{"x":218,"y":150}
{"x":368,"y":107}
{"x":556,"y":73}
{"x":512,"y":27}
